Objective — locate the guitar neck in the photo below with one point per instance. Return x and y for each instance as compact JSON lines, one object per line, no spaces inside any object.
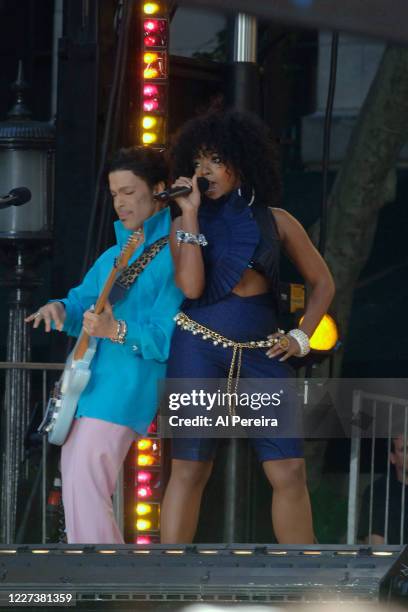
{"x":83,"y":341}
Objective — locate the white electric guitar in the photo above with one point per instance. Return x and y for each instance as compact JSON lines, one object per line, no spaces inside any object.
{"x":67,"y":390}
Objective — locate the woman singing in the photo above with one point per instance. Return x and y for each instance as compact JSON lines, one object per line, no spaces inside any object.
{"x":225,"y":247}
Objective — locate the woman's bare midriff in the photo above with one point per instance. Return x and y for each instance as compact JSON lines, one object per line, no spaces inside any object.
{"x":251,"y":283}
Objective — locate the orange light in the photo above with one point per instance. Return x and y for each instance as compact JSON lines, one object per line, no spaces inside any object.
{"x":143,"y":524}
{"x":149,"y":58}
{"x":145,"y":460}
{"x":326,"y":334}
{"x":144,"y":443}
{"x":150,"y":8}
{"x":142,"y":509}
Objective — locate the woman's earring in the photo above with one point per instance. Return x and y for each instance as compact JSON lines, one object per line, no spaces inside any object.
{"x":252,"y":196}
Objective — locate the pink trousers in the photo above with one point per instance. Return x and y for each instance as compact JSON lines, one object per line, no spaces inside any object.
{"x":90,"y":462}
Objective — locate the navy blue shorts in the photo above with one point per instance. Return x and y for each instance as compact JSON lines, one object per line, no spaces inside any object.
{"x":241,"y":319}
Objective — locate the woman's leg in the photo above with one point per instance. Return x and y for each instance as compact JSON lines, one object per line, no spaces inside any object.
{"x":291,"y":510}
{"x":181,"y":504}
{"x":90,"y":462}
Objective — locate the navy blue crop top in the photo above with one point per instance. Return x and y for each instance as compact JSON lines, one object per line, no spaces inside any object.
{"x":239,"y":236}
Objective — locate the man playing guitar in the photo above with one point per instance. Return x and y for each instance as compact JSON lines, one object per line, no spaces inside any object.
{"x":131,"y":340}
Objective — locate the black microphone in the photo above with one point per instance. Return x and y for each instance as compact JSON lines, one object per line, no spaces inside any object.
{"x":174,"y":192}
{"x":16,"y":197}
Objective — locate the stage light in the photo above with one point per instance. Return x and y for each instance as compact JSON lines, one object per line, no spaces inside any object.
{"x":152,"y":40}
{"x":151,"y":25}
{"x":144,"y":492}
{"x":8,"y":551}
{"x":150,"y":90}
{"x":208,"y":552}
{"x":148,"y":123}
{"x":277,"y":552}
{"x":144,"y":444}
{"x":151,"y":73}
{"x":144,"y":476}
{"x":74,"y":552}
{"x":325,"y":336}
{"x":150,"y":8}
{"x":143,"y":525}
{"x":40,"y":552}
{"x":143,"y":509}
{"x":145,"y":539}
{"x":107,"y":552}
{"x":149,"y":138}
{"x":242,"y":552}
{"x":145,"y":460}
{"x":150,"y":105}
{"x":174,"y":552}
{"x":149,"y":58}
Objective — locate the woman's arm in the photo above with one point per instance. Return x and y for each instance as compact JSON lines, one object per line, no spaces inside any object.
{"x":188,"y":259}
{"x":311,"y":265}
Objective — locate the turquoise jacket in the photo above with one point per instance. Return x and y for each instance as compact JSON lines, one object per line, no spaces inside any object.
{"x":123,"y":384}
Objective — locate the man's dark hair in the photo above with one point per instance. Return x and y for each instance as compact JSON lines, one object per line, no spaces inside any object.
{"x":241,"y":140}
{"x":147,"y":163}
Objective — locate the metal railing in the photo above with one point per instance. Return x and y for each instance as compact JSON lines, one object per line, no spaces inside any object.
{"x":39,"y":387}
{"x":390,"y":406}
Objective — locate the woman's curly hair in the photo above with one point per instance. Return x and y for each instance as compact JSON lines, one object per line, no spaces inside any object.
{"x":241,"y":140}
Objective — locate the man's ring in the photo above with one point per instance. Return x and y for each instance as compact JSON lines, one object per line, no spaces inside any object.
{"x":36,"y":314}
{"x":284,"y":343}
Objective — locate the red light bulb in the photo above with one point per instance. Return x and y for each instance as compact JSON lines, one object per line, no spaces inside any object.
{"x":144,"y":492}
{"x":144,"y":477}
{"x":151,"y":25}
{"x":150,"y":91}
{"x":152,"y":41}
{"x":150,"y":105}
{"x":143,"y":540}
{"x":153,"y":425}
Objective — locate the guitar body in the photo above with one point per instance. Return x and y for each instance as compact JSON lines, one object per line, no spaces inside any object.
{"x":63,"y":402}
{"x":64,"y":399}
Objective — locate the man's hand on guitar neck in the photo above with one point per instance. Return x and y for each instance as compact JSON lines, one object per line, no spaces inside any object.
{"x":54,"y":312}
{"x":103,"y":325}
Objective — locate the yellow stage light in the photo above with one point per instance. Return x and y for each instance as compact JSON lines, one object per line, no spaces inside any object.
{"x":149,"y":138}
{"x":144,"y":444}
{"x":325,"y":335}
{"x":143,"y":525}
{"x":151,"y":73}
{"x":143,"y":509}
{"x":145,"y":460}
{"x":149,"y":58}
{"x":150,"y":8}
{"x":148,"y":123}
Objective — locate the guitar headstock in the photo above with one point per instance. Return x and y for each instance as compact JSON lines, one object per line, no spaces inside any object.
{"x":128,"y":250}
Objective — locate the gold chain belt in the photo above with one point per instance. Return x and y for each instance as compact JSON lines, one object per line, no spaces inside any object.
{"x":208,"y":334}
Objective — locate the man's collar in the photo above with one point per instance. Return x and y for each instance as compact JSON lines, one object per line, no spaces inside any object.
{"x":155,"y":227}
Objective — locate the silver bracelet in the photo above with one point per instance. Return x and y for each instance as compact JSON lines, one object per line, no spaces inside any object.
{"x":303,"y":341}
{"x":121,"y":331}
{"x":188,"y":238}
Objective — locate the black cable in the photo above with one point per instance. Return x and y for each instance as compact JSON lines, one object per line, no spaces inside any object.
{"x":326,"y":142}
{"x":91,"y":247}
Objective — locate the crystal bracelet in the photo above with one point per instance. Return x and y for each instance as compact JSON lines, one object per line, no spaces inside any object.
{"x":121,"y":331}
{"x":189,"y":238}
{"x":303,"y":341}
